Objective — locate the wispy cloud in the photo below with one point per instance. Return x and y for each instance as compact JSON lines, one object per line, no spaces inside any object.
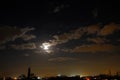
{"x":109,"y":29}
{"x":23,"y":46}
{"x":94,"y":48}
{"x":97,"y":40}
{"x":61,"y":59}
{"x":65,"y":37}
{"x":96,"y":29}
{"x":8,"y":33}
{"x":92,"y":29}
{"x":57,"y":8}
{"x":28,"y":37}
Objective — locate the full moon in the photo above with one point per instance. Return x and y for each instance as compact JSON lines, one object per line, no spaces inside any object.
{"x":46,"y":47}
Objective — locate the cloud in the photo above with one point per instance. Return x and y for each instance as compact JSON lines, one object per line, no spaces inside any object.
{"x":92,"y":29}
{"x":95,"y":13}
{"x":8,"y":33}
{"x":109,"y":29}
{"x":93,"y":48}
{"x":65,"y":37}
{"x":75,"y":34}
{"x":26,"y":55}
{"x":28,"y":37}
{"x":23,"y":46}
{"x":58,"y":8}
{"x":61,"y":59}
{"x":97,"y":40}
{"x":95,"y":29}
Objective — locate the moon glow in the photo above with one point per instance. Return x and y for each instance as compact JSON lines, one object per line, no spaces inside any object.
{"x":46,"y":47}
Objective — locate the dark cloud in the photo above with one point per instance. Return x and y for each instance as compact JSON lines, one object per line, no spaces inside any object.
{"x":93,"y":48}
{"x":95,"y":13}
{"x":57,"y":9}
{"x":60,"y":8}
{"x":97,"y":40}
{"x":8,"y":33}
{"x":109,"y":29}
{"x":26,"y":55}
{"x":28,"y":37}
{"x":62,"y":59}
{"x":23,"y":46}
{"x":65,"y":37}
{"x":90,"y":30}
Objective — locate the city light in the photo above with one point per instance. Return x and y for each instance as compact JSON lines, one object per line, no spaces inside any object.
{"x":38,"y":78}
{"x":15,"y":78}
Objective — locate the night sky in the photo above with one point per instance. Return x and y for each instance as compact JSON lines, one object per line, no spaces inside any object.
{"x":59,"y":37}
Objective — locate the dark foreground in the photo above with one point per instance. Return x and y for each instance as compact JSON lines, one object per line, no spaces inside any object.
{"x":99,"y":77}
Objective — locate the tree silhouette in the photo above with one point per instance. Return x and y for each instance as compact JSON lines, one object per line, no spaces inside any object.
{"x":24,"y":77}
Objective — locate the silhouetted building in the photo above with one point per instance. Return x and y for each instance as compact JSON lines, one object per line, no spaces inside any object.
{"x":29,"y":72}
